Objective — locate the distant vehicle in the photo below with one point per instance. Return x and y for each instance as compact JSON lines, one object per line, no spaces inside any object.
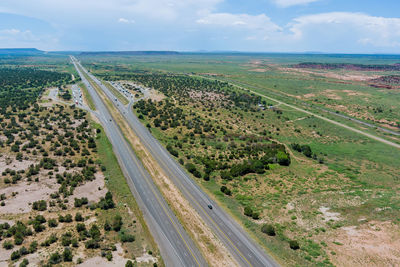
{"x":210,"y":207}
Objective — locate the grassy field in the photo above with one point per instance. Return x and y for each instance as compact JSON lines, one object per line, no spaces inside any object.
{"x":350,"y":186}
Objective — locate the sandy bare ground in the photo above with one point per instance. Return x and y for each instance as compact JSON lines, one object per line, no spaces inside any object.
{"x":208,"y":96}
{"x":27,"y":192}
{"x":309,"y":95}
{"x":146,"y":258}
{"x":328,"y":215}
{"x":90,"y":190}
{"x":34,"y":259}
{"x":117,"y":261}
{"x":5,"y":255}
{"x":371,"y":244}
{"x":258,"y":70}
{"x":15,"y":164}
{"x":348,"y":76}
{"x":155,"y":95}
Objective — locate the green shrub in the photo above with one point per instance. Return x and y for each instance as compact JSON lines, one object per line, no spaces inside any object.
{"x":78,"y":217}
{"x":190,"y":167}
{"x":268,"y":229}
{"x":7,"y":244}
{"x":55,"y":258}
{"x":255,"y":215}
{"x":80,"y":227}
{"x":226,"y":190}
{"x":117,"y":223}
{"x":107,"y":226}
{"x":18,"y":238}
{"x":15,"y":255}
{"x":94,"y":232}
{"x":39,"y":205}
{"x":294,"y":244}
{"x":79,"y":202}
{"x":24,"y":263}
{"x":33,"y":247}
{"x":109,"y":256}
{"x":248,"y":211}
{"x":92,"y":244}
{"x":52,"y":223}
{"x":283,"y":158}
{"x":127,"y":238}
{"x":67,"y":254}
{"x":106,"y":202}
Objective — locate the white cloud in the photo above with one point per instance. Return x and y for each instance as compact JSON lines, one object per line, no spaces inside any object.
{"x":9,"y":32}
{"x":25,"y":38}
{"x":346,"y":27}
{"x":240,"y":21}
{"x":126,"y":21}
{"x":17,"y":35}
{"x":96,"y":11}
{"x":289,"y":3}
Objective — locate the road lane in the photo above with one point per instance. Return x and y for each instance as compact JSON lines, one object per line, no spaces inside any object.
{"x":177,"y":249}
{"x":238,"y":242}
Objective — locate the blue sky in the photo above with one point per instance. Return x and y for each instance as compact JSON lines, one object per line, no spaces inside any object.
{"x":339,"y":26}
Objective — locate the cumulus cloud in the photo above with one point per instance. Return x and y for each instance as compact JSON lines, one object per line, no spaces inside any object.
{"x":99,"y":10}
{"x":26,"y":38}
{"x":289,"y":3}
{"x":347,"y":27}
{"x":126,"y":21}
{"x":257,"y":25}
{"x":17,"y":35}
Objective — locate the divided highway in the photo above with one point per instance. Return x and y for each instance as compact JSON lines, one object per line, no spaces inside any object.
{"x":177,"y":248}
{"x":245,"y":250}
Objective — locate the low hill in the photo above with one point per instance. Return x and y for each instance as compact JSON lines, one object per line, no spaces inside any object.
{"x":20,"y":51}
{"x":128,"y":53}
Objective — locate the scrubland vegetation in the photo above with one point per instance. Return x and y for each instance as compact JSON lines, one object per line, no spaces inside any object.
{"x":64,"y":199}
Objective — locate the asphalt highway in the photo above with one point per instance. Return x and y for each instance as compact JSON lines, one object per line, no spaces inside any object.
{"x":244,"y":249}
{"x":176,"y":247}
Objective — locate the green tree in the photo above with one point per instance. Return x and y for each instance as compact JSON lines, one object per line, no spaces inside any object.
{"x":248,"y":211}
{"x":67,"y":254}
{"x":268,"y":229}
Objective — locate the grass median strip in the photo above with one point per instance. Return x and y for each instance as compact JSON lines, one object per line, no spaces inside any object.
{"x":86,"y":95}
{"x":116,"y":93}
